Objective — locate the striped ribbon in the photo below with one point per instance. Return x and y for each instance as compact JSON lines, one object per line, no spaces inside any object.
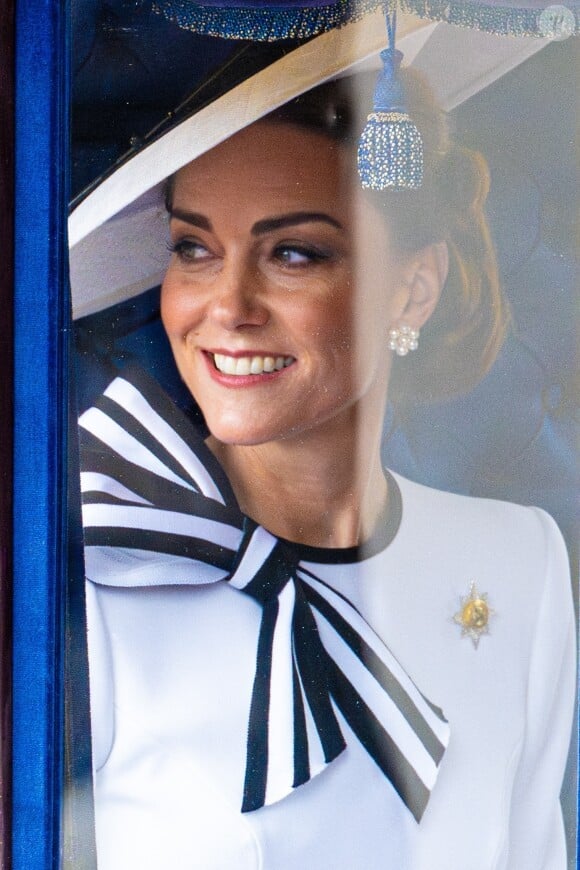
{"x":151,"y":486}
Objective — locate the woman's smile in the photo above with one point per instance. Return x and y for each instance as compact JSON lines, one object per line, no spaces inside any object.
{"x":251,"y":367}
{"x":275,"y":328}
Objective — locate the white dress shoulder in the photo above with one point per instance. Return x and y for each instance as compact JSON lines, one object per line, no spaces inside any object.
{"x":170,"y":668}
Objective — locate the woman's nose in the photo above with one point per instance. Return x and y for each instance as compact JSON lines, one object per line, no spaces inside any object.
{"x":237,"y":299}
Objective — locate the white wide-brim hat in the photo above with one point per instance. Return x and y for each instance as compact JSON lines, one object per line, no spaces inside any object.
{"x":118,"y":231}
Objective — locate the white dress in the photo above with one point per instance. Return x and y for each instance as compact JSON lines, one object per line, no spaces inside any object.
{"x":170,"y":668}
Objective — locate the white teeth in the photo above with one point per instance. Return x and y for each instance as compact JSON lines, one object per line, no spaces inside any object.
{"x":254,"y":365}
{"x":226,"y":364}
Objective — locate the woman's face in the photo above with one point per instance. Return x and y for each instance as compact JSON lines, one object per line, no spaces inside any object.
{"x":281,"y":287}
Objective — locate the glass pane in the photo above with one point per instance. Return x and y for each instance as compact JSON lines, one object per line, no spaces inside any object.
{"x":322,"y":629}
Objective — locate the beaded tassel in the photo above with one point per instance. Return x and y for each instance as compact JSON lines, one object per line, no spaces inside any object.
{"x":390,"y":152}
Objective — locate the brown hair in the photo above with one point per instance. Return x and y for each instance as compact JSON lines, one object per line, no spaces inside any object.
{"x":461,"y":340}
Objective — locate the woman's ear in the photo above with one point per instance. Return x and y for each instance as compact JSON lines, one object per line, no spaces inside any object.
{"x":425,"y":276}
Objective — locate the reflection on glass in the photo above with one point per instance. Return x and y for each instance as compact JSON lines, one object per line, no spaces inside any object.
{"x":297,"y":657}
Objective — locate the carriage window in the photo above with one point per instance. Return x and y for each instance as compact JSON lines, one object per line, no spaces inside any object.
{"x":322,"y":368}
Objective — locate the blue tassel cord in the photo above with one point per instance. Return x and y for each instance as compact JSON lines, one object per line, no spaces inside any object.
{"x":390,"y":152}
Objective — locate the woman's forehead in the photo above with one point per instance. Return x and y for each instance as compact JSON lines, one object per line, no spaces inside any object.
{"x":266,"y":155}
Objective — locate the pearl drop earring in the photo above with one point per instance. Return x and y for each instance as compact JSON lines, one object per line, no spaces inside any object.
{"x":403,"y":339}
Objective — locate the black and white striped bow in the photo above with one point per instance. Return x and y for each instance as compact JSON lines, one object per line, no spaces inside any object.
{"x":151,"y":485}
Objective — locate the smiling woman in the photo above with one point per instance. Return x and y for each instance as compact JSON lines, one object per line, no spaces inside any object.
{"x":278,"y":625}
{"x":265,"y":274}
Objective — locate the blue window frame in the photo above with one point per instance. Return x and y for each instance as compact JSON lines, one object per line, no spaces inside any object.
{"x":40,"y":411}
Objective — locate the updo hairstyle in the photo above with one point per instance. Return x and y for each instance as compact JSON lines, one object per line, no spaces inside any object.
{"x":461,"y":340}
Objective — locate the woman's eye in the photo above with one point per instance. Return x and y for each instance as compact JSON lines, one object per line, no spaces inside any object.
{"x":189,"y":250}
{"x":299,"y":255}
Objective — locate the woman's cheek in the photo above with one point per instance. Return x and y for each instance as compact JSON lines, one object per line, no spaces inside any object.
{"x":178,"y":306}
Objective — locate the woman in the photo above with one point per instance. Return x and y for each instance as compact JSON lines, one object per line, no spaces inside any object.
{"x":277,"y":719}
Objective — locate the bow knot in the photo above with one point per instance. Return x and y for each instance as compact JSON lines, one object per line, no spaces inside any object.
{"x":150,"y":484}
{"x":263,"y":565}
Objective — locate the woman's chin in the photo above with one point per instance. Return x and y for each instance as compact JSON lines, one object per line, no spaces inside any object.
{"x":243,"y":433}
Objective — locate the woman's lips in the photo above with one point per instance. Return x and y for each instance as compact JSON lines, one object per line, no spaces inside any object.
{"x":246,"y":368}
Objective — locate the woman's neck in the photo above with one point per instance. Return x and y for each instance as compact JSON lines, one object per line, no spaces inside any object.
{"x":310,"y":489}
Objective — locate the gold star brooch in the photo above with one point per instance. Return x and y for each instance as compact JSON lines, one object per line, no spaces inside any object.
{"x":473,"y":615}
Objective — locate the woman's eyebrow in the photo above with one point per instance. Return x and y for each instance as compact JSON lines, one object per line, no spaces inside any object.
{"x":191,"y":217}
{"x":289,"y":220}
{"x":260,"y":227}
